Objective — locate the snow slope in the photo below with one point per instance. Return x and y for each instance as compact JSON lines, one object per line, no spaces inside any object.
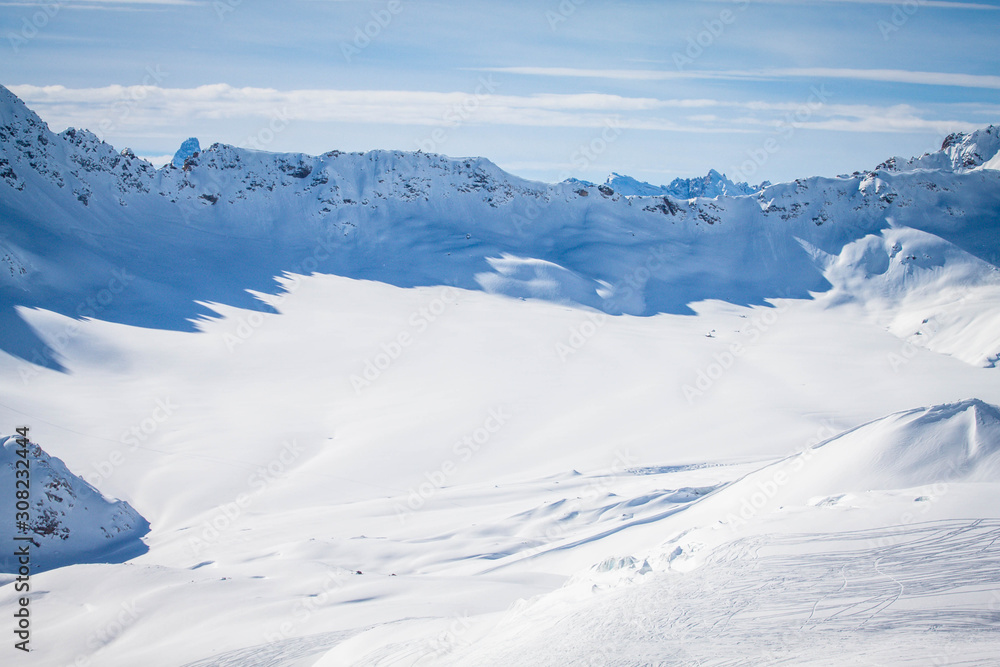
{"x":922,"y":288}
{"x":810,"y":592}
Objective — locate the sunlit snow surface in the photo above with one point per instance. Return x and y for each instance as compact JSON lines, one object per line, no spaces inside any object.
{"x":335,"y":479}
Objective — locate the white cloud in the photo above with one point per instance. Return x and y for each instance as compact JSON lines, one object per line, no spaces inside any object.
{"x":886,"y":75}
{"x":939,"y":4}
{"x":895,"y":76}
{"x":115,"y":5}
{"x":158,"y":106}
{"x":150,"y":109}
{"x":86,"y":4}
{"x":903,"y":4}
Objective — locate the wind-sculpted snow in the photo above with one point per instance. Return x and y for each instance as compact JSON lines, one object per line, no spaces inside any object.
{"x":942,"y":444}
{"x":927,"y":291}
{"x":742,"y":575}
{"x":93,"y":232}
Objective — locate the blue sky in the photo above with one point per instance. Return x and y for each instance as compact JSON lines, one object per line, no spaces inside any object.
{"x":759,"y":89}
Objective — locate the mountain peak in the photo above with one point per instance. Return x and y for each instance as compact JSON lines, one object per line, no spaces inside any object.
{"x":960,"y":151}
{"x":971,"y":150}
{"x":188,"y":149}
{"x":12,"y":109}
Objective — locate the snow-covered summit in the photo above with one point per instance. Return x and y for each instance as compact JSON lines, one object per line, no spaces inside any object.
{"x":76,"y":163}
{"x":959,"y":151}
{"x":13,"y":110}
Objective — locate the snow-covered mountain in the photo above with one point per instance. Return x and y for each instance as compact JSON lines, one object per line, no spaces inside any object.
{"x":710,"y":186}
{"x":93,"y":231}
{"x":70,"y":521}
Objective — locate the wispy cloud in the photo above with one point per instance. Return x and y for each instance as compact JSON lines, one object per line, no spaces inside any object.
{"x":102,"y":4}
{"x":156,"y":107}
{"x":892,"y":76}
{"x":885,"y":75}
{"x":938,"y":4}
{"x":400,"y":107}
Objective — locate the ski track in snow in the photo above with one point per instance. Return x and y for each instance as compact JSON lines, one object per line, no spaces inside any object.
{"x":760,"y":602}
{"x":865,"y":586}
